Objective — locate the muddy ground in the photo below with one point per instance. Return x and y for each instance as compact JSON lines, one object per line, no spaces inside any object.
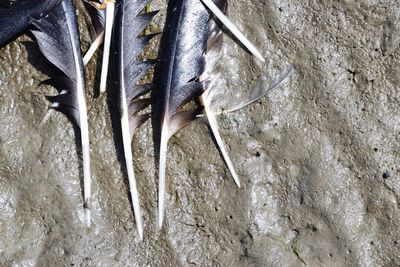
{"x":318,"y":158}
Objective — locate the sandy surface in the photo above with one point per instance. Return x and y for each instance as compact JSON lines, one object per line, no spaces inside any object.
{"x":318,"y":158}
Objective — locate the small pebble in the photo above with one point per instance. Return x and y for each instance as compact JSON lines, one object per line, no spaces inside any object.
{"x":385,"y":175}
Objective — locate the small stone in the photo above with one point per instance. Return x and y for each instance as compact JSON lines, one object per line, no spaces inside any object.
{"x":385,"y":175}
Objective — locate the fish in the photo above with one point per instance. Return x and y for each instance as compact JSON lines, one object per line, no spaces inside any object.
{"x":57,"y":36}
{"x":16,"y":14}
{"x":129,"y":43}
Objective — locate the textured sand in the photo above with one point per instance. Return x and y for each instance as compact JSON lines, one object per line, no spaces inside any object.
{"x":318,"y":158}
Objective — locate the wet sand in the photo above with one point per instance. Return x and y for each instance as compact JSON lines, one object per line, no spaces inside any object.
{"x":318,"y":158}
